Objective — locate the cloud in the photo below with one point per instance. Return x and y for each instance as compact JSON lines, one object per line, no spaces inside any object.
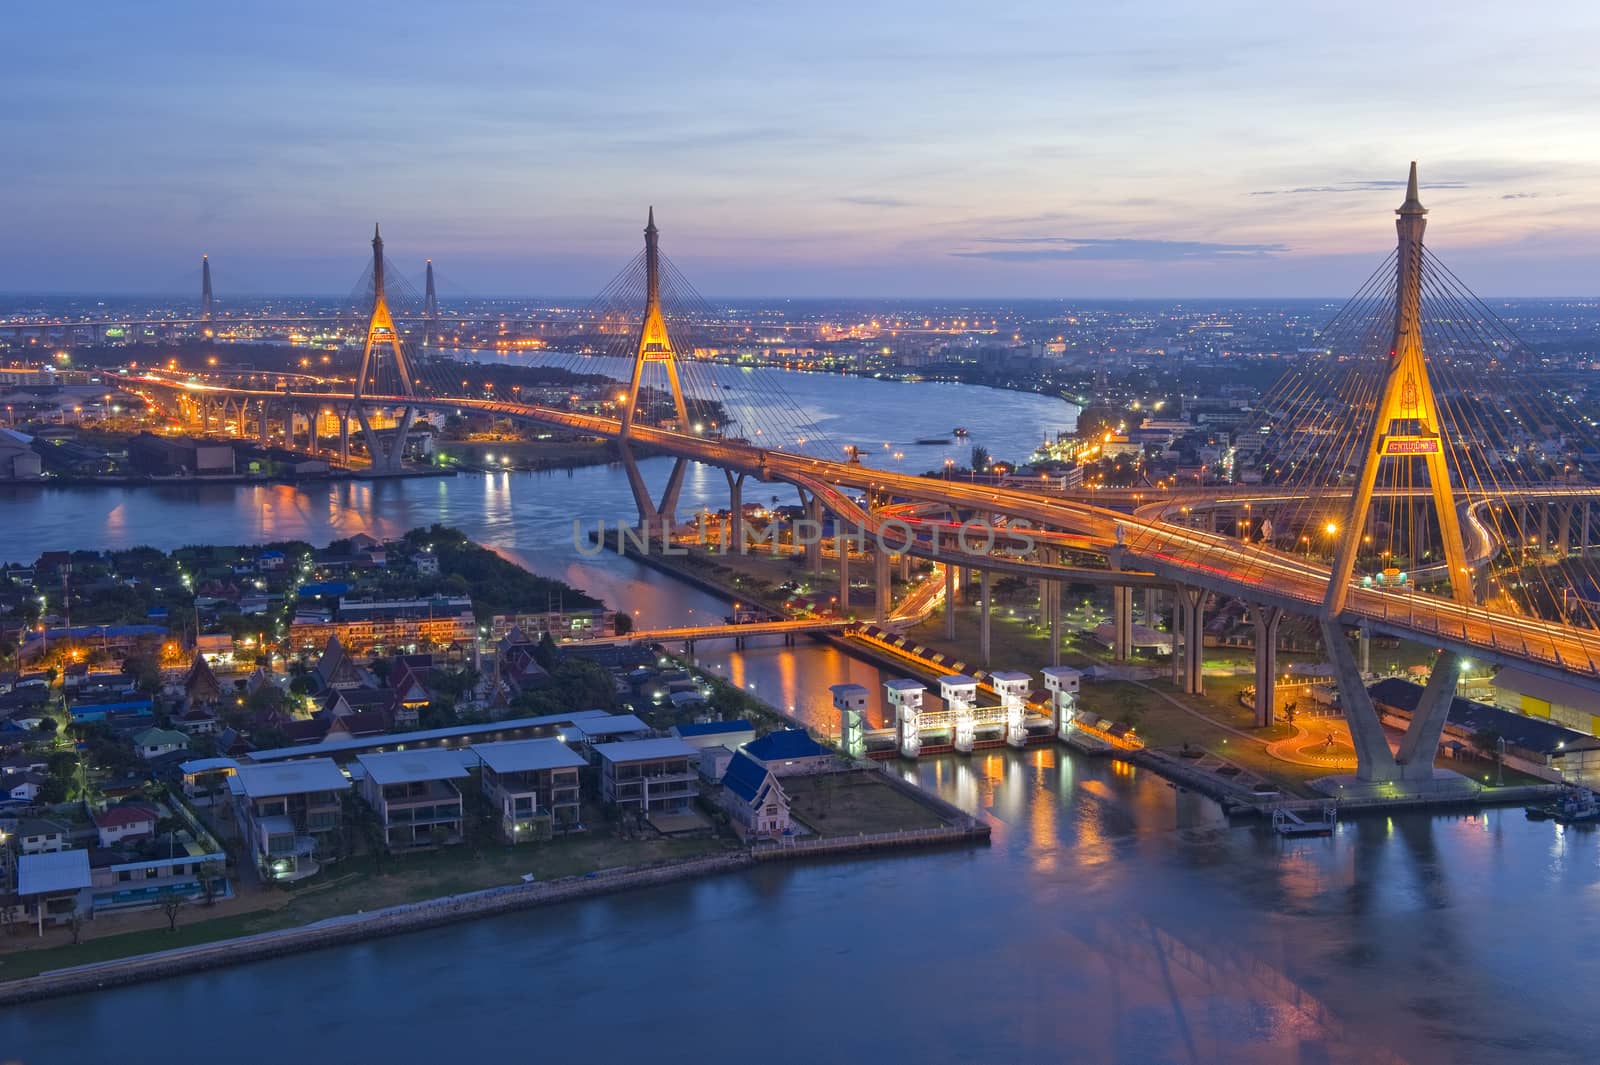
{"x":1521,"y":196}
{"x":875,"y":201}
{"x":1115,"y":249}
{"x":1355,"y":186}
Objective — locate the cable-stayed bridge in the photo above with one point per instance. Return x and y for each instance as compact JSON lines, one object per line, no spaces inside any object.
{"x":1408,"y":475}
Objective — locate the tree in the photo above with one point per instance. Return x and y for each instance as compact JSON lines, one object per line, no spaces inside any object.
{"x":75,"y":924}
{"x":623,"y":622}
{"x":545,"y":652}
{"x":209,"y":872}
{"x":171,"y":906}
{"x":980,"y":458}
{"x":303,"y":684}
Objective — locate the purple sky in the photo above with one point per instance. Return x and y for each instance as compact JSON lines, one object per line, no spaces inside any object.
{"x":815,"y":149}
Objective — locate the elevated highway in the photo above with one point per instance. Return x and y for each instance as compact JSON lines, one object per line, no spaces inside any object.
{"x":1139,"y":548}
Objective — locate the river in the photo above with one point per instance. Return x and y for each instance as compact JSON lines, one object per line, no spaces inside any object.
{"x":1113,"y":919}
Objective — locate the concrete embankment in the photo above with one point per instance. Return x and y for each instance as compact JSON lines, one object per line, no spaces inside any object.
{"x":339,"y":930}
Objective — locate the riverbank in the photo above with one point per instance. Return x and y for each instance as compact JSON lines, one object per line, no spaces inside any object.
{"x":933,"y":822}
{"x":147,"y":481}
{"x":334,"y":931}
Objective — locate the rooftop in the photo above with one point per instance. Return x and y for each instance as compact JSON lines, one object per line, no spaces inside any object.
{"x":787,"y":743}
{"x":610,"y":725}
{"x":645,"y":750}
{"x":462,"y":732}
{"x":714,"y":728}
{"x":56,"y":871}
{"x":289,"y":778}
{"x":526,"y":756}
{"x":745,"y":776}
{"x":414,"y":766}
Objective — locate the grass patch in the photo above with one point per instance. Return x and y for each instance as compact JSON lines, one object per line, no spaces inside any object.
{"x":848,"y":804}
{"x":362,"y":884}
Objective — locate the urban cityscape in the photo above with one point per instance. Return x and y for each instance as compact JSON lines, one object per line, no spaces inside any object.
{"x":1185,"y":648}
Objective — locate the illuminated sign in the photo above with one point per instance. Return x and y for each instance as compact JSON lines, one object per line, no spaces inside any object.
{"x":1411,"y":445}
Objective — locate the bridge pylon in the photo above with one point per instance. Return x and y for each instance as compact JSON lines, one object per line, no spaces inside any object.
{"x":654,"y":345}
{"x":205,"y":288}
{"x":1408,"y":426}
{"x":381,"y":333}
{"x":430,"y":311}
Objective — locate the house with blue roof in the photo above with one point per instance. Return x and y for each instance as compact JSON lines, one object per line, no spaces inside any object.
{"x":754,"y":799}
{"x":790,"y":750}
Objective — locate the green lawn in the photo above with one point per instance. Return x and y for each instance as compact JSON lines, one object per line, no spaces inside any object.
{"x":362,"y":884}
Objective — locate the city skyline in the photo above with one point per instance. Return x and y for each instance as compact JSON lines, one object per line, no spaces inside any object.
{"x":901,"y":153}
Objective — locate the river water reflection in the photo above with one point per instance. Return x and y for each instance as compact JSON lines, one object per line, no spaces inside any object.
{"x":1113,"y":919}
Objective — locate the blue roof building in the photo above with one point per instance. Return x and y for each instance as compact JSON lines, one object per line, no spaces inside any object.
{"x":789,"y":750}
{"x":754,"y":798}
{"x":707,"y":734}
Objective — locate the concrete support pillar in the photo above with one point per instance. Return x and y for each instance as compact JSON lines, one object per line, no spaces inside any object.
{"x":1420,"y":745}
{"x":841,"y":544}
{"x":880,"y":583}
{"x":344,"y":437}
{"x":1544,"y":527}
{"x":1191,"y":604}
{"x":950,"y":601}
{"x":812,"y":534}
{"x":311,"y":430}
{"x":905,"y":566}
{"x":983,"y":617}
{"x":1364,"y":643}
{"x":1374,"y":761}
{"x":1177,"y":637}
{"x":1267,"y":619}
{"x":736,"y":513}
{"x":266,"y":414}
{"x":1121,"y":622}
{"x":1583,"y":533}
{"x":1150,"y":606}
{"x":1050,"y":592}
{"x":1563,"y":529}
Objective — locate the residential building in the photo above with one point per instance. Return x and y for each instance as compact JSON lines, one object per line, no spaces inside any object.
{"x":289,"y":813}
{"x":22,"y":787}
{"x":648,"y":776}
{"x":155,"y":742}
{"x":37,"y":835}
{"x":51,"y":885}
{"x":754,"y":799}
{"x":589,"y":732}
{"x":125,"y":821}
{"x":414,"y":795}
{"x":527,"y":779}
{"x":790,"y":751}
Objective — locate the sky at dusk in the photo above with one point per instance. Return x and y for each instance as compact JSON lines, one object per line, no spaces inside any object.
{"x":807,"y":149}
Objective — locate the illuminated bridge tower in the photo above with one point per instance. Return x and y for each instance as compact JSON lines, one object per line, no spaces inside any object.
{"x":430,"y":312}
{"x":654,"y":346}
{"x":1408,"y":427}
{"x":381,"y":334}
{"x":205,"y":288}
